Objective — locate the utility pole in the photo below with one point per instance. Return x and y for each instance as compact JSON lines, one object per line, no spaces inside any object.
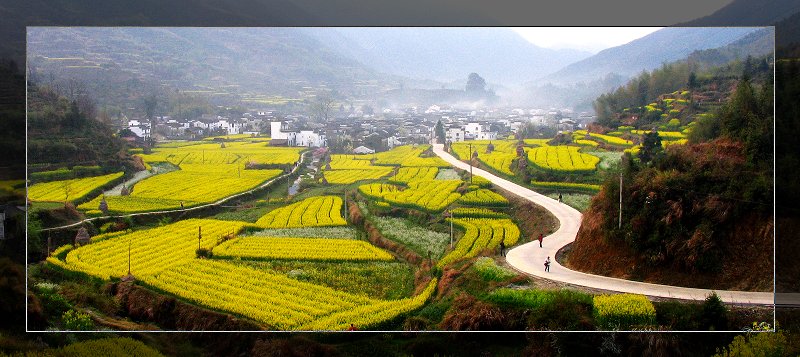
{"x":345,"y":205}
{"x":620,"y":200}
{"x":470,"y":163}
{"x":199,"y":236}
{"x":451,"y":230}
{"x":129,"y":256}
{"x":449,"y":214}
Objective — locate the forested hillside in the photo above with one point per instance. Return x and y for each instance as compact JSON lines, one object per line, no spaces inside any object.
{"x":698,"y":214}
{"x":64,"y":132}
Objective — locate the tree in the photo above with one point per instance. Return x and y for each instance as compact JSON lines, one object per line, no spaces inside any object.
{"x":692,"y":82}
{"x":475,"y":84}
{"x":735,"y":116}
{"x":321,"y":108}
{"x":707,"y":127}
{"x":150,"y":103}
{"x":714,"y":314}
{"x":651,"y":147}
{"x":73,"y":118}
{"x":440,"y":135}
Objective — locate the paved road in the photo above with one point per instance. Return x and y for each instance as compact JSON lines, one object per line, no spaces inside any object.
{"x":529,"y":258}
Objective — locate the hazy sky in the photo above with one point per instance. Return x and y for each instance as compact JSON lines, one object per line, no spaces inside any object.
{"x":591,"y":39}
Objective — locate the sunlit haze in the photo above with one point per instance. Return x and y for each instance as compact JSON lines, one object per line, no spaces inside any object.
{"x":592,"y":39}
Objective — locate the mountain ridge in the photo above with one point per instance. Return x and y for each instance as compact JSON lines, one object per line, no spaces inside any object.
{"x":646,"y":53}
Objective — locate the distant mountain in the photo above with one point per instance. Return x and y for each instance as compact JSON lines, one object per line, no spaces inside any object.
{"x":276,"y":61}
{"x":647,"y":53}
{"x":758,"y":43}
{"x":447,"y":54}
{"x":580,"y":95}
{"x":18,"y":14}
{"x":748,"y":13}
{"x":784,"y":14}
{"x":291,"y":62}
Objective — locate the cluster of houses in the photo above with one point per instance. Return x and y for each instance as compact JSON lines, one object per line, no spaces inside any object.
{"x":382,"y":130}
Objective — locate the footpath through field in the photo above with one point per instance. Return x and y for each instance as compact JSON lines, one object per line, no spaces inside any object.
{"x":529,"y":258}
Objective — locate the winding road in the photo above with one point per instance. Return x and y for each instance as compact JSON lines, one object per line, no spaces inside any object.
{"x":529,"y":257}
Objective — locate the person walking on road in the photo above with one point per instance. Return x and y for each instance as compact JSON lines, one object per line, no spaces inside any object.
{"x":541,"y":236}
{"x":547,"y":265}
{"x":559,"y":197}
{"x":502,"y":248}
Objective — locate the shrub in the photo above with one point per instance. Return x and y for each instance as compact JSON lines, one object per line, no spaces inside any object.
{"x":623,"y":311}
{"x":534,"y":297}
{"x":490,"y":271}
{"x":54,"y":175}
{"x":759,"y":344}
{"x":118,"y":346}
{"x":77,"y":321}
{"x":203,"y":253}
{"x":551,"y":309}
{"x":714,"y":314}
{"x":678,"y":316}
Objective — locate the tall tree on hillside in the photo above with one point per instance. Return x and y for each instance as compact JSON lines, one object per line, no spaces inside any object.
{"x":321,"y":108}
{"x":748,"y":118}
{"x":150,"y":103}
{"x":651,"y":148}
{"x":440,"y":135}
{"x":739,"y":111}
{"x":475,"y":84}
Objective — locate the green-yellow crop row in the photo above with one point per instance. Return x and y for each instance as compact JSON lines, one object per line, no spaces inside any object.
{"x":499,"y":158}
{"x":562,"y":158}
{"x":377,"y":190}
{"x":300,"y":249}
{"x":57,"y":191}
{"x":311,"y":212}
{"x":278,"y":301}
{"x":483,"y":197}
{"x":151,"y":250}
{"x":350,"y":162}
{"x":238,"y":153}
{"x":665,"y":135}
{"x":431,"y":196}
{"x":586,"y":142}
{"x":476,"y":212}
{"x":191,"y":187}
{"x":270,"y":298}
{"x":566,"y":186}
{"x":408,"y":156}
{"x":622,"y":311}
{"x":480,"y":234}
{"x":344,"y":177}
{"x":373,"y":314}
{"x":613,"y":140}
{"x":408,"y":174}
